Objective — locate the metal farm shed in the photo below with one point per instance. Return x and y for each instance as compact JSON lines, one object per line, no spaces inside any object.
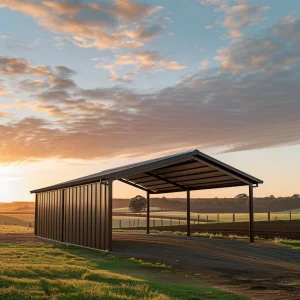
{"x":79,"y":211}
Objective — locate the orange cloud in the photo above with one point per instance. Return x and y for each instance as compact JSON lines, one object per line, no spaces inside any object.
{"x":243,"y":107}
{"x":92,"y":25}
{"x":3,"y":91}
{"x":148,"y":60}
{"x":14,"y":66}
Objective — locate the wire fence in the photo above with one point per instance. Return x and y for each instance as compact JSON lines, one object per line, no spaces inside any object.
{"x":157,"y":221}
{"x":174,"y":218}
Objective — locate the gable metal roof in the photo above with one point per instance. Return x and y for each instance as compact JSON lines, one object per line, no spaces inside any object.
{"x":189,"y":170}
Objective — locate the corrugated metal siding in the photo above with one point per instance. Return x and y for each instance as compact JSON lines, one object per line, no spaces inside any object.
{"x":79,"y":215}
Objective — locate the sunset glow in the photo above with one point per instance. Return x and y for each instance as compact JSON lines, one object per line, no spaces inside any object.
{"x":92,"y":85}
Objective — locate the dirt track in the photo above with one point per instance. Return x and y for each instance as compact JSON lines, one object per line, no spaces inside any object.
{"x":258,"y":271}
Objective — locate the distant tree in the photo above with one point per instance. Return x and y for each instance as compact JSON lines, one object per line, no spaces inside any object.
{"x":271,"y":197}
{"x":137,"y":204}
{"x":296,"y":196}
{"x":241,"y":196}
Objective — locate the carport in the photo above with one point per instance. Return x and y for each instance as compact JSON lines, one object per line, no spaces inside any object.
{"x":80,"y":211}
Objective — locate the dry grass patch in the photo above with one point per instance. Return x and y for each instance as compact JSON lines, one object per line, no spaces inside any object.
{"x":41,"y":271}
{"x":15,"y":229}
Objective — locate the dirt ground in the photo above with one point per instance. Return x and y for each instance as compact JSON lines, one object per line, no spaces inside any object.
{"x":258,"y":271}
{"x":283,"y":229}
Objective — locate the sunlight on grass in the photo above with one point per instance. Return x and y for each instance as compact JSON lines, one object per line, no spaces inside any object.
{"x":15,"y":229}
{"x":38,"y":271}
{"x":291,"y":243}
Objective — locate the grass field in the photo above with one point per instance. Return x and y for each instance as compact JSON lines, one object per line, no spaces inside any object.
{"x":17,"y":219}
{"x":15,"y":229}
{"x":140,"y":219}
{"x":38,"y":271}
{"x":162,"y":218}
{"x":290,"y":243}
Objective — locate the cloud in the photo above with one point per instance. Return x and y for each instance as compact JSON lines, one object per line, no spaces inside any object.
{"x":241,"y":16}
{"x":66,"y":7}
{"x":107,"y":25}
{"x":212,"y":2}
{"x":204,"y":64}
{"x":32,"y":85}
{"x":233,"y":112}
{"x":4,"y":115}
{"x":237,"y":17}
{"x":254,"y":107}
{"x":128,"y":10}
{"x":146,"y":33}
{"x":148,"y":60}
{"x":57,"y":78}
{"x":61,"y":84}
{"x":64,"y":72}
{"x":13,"y":44}
{"x":172,"y":65}
{"x":17,"y":67}
{"x":3,"y":91}
{"x":130,"y":64}
{"x":276,"y":50}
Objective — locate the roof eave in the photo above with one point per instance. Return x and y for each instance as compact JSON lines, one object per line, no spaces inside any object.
{"x":120,"y":174}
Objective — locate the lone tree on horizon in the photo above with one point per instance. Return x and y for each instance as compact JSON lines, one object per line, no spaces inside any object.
{"x":137,"y":204}
{"x":241,"y":196}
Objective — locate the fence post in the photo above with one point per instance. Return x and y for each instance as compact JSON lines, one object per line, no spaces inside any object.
{"x":233,"y":218}
{"x":218,"y":218}
{"x":198,"y":219}
{"x":207,"y":219}
{"x":290,"y":216}
{"x":269,"y":216}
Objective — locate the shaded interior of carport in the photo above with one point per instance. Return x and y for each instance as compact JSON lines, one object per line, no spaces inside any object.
{"x":80,"y":211}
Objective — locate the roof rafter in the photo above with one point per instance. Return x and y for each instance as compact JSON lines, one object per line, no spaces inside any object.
{"x":166,"y":180}
{"x":221,"y":169}
{"x":135,"y":185}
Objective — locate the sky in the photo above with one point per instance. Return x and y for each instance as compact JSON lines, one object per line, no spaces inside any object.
{"x":90,"y":85}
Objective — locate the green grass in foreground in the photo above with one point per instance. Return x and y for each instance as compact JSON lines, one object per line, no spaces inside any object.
{"x":41,"y":271}
{"x":290,"y":243}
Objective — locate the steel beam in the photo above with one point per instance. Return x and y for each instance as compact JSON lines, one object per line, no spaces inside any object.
{"x":188,"y":213}
{"x":109,"y":210}
{"x":201,"y":188}
{"x":36,"y":215}
{"x":166,"y":180}
{"x":134,"y":185}
{"x":251,"y":222}
{"x":62,"y":215}
{"x":221,"y":169}
{"x":148,"y":213}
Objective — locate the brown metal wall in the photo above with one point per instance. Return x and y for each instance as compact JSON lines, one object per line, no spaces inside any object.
{"x":79,"y":215}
